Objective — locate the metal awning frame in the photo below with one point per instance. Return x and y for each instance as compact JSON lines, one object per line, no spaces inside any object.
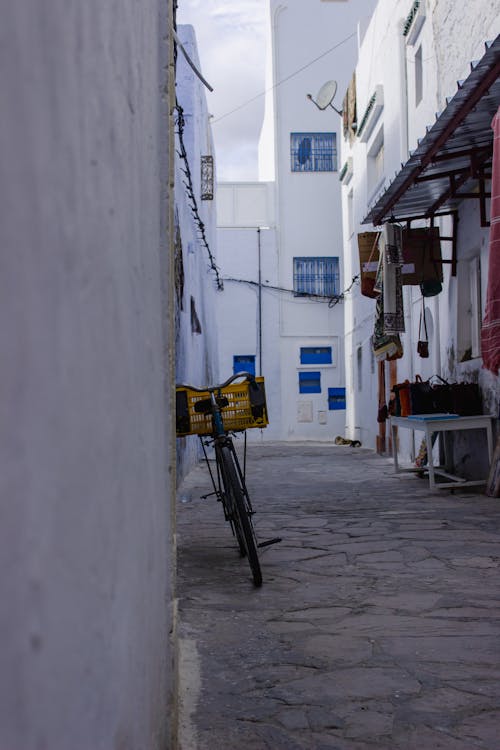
{"x":453,"y":161}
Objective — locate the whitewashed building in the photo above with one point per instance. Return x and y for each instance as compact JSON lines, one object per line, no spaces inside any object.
{"x":196,"y":275}
{"x":248,"y":308}
{"x":291,"y":325}
{"x":399,"y":161}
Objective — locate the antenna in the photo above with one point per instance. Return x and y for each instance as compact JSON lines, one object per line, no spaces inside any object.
{"x":325,"y":96}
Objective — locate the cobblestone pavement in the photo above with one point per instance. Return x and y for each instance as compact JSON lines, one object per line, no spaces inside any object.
{"x":378,"y":623}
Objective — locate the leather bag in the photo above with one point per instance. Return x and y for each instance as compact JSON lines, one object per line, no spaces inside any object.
{"x":423,"y":343}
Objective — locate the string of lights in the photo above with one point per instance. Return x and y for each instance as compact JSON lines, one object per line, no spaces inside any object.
{"x":188,"y":184}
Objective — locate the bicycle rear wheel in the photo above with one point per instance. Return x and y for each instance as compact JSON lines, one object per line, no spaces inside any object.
{"x":239,"y":511}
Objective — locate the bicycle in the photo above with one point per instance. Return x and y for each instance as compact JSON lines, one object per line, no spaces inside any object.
{"x":213,"y":413}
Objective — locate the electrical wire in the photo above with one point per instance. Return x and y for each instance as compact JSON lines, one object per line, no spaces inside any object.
{"x":331,"y":299}
{"x":283,"y":80}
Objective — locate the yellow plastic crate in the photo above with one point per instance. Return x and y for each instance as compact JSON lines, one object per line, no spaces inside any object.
{"x":237,"y":415}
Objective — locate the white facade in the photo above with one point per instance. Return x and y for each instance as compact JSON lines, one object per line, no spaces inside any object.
{"x":248,"y":308}
{"x":308,"y":207}
{"x":196,"y":282}
{"x":299,"y":216}
{"x":411,"y":75}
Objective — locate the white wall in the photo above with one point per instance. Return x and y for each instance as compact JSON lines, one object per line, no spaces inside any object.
{"x":245,"y":324}
{"x":196,"y":352}
{"x":86,"y":569}
{"x":451,"y":35}
{"x":309,"y":213}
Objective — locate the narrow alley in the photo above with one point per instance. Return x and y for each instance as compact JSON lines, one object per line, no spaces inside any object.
{"x":378,"y":623}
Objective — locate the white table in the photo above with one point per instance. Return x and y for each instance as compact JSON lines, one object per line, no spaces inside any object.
{"x":440,"y":423}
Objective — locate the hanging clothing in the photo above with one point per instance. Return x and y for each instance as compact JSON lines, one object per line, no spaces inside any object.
{"x":392,"y":263}
{"x":490,"y":332}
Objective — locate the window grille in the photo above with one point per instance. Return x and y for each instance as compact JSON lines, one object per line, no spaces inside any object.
{"x":316,"y":355}
{"x":313,"y":152}
{"x":309,"y":382}
{"x":207,"y":178}
{"x":244,"y":363}
{"x":316,"y":276}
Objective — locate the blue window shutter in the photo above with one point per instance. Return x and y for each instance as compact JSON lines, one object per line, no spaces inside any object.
{"x":316,"y":275}
{"x":336,"y":399}
{"x":244,"y":363}
{"x":316,"y":355}
{"x":309,"y":382}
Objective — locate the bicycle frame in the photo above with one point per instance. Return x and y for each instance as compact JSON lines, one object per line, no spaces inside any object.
{"x":229,"y":484}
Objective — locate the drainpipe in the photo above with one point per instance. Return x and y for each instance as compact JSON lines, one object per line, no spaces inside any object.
{"x":404,"y":131}
{"x":259,"y":302}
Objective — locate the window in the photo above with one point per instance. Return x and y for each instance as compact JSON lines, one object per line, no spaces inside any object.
{"x":336,"y":399}
{"x":316,"y":355}
{"x":316,"y":276}
{"x":313,"y":152}
{"x":359,"y":357}
{"x":244,"y":363}
{"x":469,"y":309}
{"x":195,"y":321}
{"x":419,"y":76}
{"x":309,"y":382}
{"x":350,"y":214}
{"x":375,"y":165}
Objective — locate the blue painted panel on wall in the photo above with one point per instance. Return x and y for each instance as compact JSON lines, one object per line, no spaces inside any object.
{"x":316,"y":355}
{"x":336,"y":399}
{"x":309,"y":382}
{"x":244,"y":363}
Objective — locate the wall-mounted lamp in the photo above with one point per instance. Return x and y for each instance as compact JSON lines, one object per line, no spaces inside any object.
{"x":325,"y":96}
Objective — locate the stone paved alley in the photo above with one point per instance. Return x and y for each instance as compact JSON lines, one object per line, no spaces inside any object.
{"x":378,"y":623}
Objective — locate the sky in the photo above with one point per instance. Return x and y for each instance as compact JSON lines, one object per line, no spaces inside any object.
{"x":231,"y":36}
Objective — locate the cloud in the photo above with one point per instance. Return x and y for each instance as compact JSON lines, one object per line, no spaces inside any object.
{"x":231,"y":47}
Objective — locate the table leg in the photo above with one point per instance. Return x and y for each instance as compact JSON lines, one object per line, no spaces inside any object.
{"x":489,"y":435}
{"x":394,"y":449}
{"x":430,"y":460}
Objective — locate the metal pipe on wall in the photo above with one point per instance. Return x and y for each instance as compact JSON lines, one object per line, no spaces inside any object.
{"x":259,"y":299}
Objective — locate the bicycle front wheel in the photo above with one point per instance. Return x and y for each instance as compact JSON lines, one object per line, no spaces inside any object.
{"x":240,"y":512}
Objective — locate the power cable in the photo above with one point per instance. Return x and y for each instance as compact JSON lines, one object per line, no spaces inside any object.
{"x":331,"y":299}
{"x":283,"y":80}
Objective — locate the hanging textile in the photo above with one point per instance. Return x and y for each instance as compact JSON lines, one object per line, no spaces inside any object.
{"x":490,"y":332}
{"x":384,"y":346}
{"x":392,"y":262}
{"x":349,"y":110}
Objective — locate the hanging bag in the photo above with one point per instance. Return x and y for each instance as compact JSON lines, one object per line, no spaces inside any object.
{"x":423,"y":343}
{"x":431,"y":285}
{"x":368,"y":282}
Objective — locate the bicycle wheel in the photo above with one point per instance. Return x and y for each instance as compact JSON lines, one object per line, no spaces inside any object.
{"x":239,"y":512}
{"x":228,"y":504}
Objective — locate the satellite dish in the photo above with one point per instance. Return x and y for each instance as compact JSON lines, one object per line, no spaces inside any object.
{"x":326,"y":94}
